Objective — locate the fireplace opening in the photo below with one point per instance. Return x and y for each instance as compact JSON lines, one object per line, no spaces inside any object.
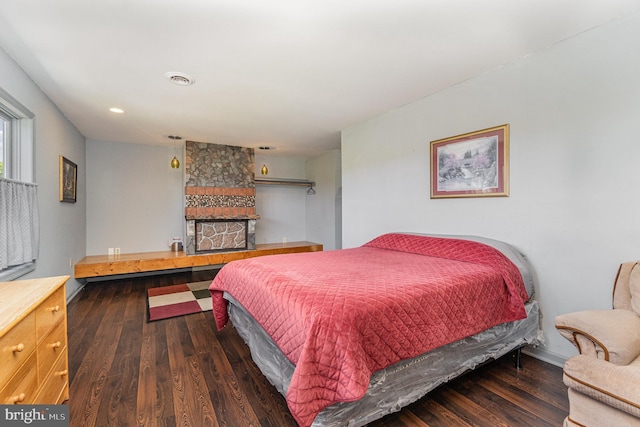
{"x":221,"y":235}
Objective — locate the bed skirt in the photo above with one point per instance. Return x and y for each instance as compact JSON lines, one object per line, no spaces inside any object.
{"x":400,"y":384}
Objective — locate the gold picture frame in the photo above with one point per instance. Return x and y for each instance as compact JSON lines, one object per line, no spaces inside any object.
{"x":68,"y":180}
{"x":474,"y":164}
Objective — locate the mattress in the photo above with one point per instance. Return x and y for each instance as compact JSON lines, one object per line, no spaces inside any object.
{"x":400,"y":384}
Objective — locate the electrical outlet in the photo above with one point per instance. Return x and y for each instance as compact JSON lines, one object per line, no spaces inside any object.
{"x":116,"y":251}
{"x":284,"y":240}
{"x":70,"y":262}
{"x":110,"y":251}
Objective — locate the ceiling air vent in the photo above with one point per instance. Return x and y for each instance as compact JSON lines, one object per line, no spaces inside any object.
{"x":181,"y":79}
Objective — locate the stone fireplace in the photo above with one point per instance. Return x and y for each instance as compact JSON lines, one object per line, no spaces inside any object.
{"x":219,"y":198}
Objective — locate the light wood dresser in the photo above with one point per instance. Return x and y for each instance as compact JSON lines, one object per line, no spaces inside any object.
{"x":33,"y":341}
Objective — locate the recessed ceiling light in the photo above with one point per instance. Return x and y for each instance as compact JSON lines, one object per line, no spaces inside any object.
{"x":116,"y":110}
{"x":181,"y":79}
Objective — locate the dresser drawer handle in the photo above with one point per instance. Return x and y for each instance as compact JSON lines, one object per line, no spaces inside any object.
{"x":61,"y":373}
{"x":55,"y":309}
{"x":55,"y":345}
{"x":19,"y":398}
{"x":17,"y":348}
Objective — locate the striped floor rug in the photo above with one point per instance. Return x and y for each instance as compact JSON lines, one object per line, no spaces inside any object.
{"x":178,"y":300}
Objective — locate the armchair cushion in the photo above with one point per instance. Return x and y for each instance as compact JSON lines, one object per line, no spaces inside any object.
{"x":616,"y":386}
{"x":612,"y":335}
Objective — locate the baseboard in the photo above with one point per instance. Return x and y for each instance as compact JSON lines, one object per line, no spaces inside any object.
{"x":545,"y":355}
{"x":77,"y":291}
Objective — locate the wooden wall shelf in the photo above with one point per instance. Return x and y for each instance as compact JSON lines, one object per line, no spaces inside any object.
{"x":109,"y":265}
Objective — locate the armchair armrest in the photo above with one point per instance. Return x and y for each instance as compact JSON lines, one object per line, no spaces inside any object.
{"x":616,"y":386}
{"x":612,"y":335}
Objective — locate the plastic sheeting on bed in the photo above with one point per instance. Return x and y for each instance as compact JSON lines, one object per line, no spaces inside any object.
{"x":400,"y":384}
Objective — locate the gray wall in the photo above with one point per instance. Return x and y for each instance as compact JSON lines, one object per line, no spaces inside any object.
{"x":135,"y":200}
{"x":62,"y":225}
{"x":323,"y":209}
{"x":281,"y":208}
{"x":573,"y":110}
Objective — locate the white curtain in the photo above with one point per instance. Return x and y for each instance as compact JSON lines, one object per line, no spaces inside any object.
{"x":19,"y":223}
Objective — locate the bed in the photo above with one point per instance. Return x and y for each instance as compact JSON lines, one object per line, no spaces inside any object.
{"x":350,"y":335}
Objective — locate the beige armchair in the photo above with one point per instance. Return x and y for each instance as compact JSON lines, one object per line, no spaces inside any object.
{"x":604,"y":379}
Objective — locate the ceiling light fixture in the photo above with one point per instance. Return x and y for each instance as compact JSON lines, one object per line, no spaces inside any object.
{"x":175,"y":163}
{"x":181,"y":79}
{"x":116,"y":110}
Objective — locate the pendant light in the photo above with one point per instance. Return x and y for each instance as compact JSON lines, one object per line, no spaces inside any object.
{"x":175,"y":163}
{"x":265,"y":170}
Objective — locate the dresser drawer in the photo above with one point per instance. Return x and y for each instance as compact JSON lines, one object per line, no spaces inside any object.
{"x":55,"y":387}
{"x":16,"y":346}
{"x":22,"y":387}
{"x":50,"y":312}
{"x":50,"y":348}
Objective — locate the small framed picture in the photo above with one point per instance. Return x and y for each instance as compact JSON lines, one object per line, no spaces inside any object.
{"x":473,"y":164}
{"x":68,"y":180}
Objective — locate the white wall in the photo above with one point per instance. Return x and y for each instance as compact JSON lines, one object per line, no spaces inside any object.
{"x":62,"y":225}
{"x":288,"y":211}
{"x":281,"y":208}
{"x":135,"y":200}
{"x":573,"y":210}
{"x":323,"y":209}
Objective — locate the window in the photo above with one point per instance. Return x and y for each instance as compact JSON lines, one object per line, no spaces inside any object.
{"x":16,"y":164}
{"x":5,"y":121}
{"x":16,"y":142}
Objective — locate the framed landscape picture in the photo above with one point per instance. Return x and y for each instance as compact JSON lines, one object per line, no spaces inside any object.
{"x":68,"y":180}
{"x":474,"y":164}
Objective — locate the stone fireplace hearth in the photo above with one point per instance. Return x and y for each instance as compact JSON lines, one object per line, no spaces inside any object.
{"x":219,"y":198}
{"x":221,"y":234}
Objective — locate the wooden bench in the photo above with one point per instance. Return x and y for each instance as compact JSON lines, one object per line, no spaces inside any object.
{"x":111,"y":266}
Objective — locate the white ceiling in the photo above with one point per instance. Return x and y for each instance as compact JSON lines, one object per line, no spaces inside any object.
{"x":284,"y":73}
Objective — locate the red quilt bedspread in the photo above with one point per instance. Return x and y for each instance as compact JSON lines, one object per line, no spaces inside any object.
{"x":341,"y":315}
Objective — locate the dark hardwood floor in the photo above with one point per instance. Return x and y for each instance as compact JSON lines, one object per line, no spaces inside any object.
{"x":125,"y":371}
